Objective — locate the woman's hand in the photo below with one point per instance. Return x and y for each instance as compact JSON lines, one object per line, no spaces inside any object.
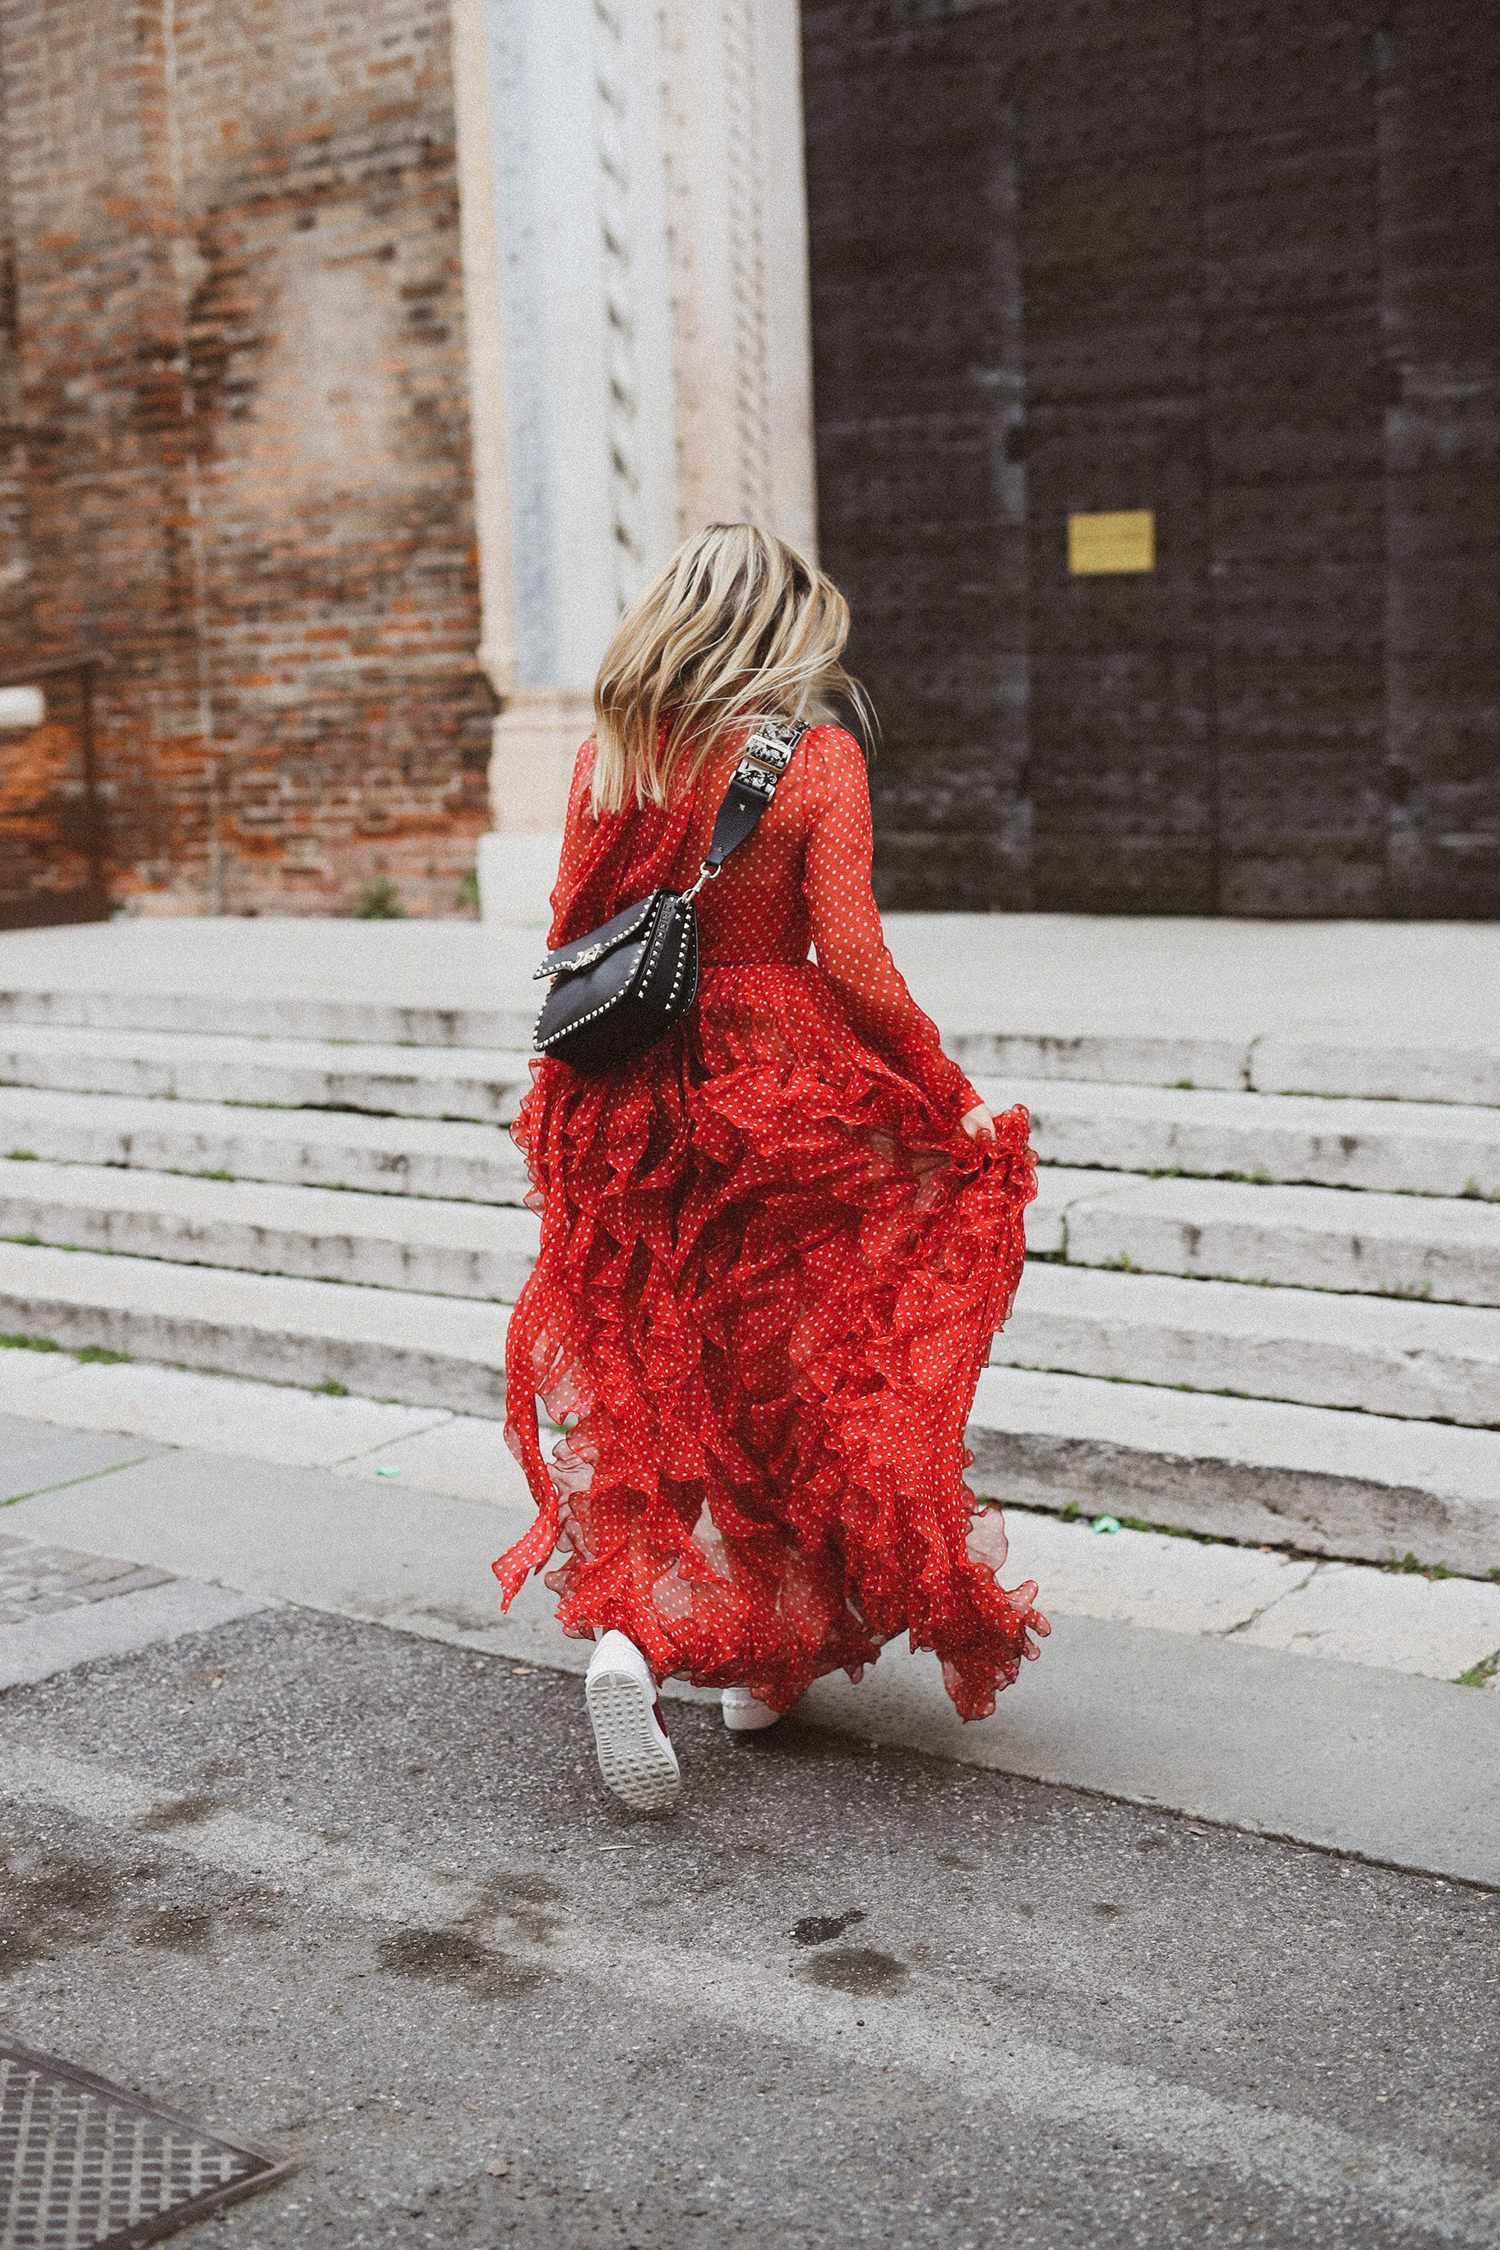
{"x":978,"y":1123}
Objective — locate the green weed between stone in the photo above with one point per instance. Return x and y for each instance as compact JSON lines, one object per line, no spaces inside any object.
{"x":380,"y":901}
{"x":100,"y":1355}
{"x":1410,"y":1567}
{"x":331,"y":1387}
{"x":29,"y":1344}
{"x":1481,"y":1674}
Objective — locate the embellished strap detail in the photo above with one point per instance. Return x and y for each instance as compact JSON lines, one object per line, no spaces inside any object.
{"x":753,"y":784}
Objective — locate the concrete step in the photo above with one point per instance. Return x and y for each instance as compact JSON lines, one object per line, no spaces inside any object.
{"x":413,"y":1156}
{"x":298,"y":1018}
{"x":1403,"y":1148}
{"x":483,"y":1084}
{"x":1435,"y":1361}
{"x":1420,"y":1247}
{"x":1375,"y":1355}
{"x":1274,"y":1064}
{"x":318,"y":1234}
{"x":381,"y":1343}
{"x":1331,"y":1066}
{"x":1364,"y":1486}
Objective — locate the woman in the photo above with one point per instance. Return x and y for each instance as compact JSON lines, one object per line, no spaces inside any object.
{"x":775,"y":1245}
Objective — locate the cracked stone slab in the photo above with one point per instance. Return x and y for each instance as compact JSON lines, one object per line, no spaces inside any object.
{"x":1402,"y":1622}
{"x":1146,"y":1577}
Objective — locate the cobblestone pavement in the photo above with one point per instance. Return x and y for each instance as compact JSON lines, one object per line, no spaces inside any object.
{"x":37,"y":1581}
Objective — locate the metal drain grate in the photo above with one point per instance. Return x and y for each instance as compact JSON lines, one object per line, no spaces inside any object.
{"x":84,"y":2162}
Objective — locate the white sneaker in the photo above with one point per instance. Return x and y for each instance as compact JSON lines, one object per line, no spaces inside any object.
{"x":636,"y":1759}
{"x":744,"y":1712}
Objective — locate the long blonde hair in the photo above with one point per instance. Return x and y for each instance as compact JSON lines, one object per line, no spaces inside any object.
{"x":736,"y":628}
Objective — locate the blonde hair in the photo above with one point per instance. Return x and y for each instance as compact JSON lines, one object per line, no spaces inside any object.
{"x":736,"y":628}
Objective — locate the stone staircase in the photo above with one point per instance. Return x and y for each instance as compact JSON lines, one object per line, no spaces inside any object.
{"x":1270,"y":1315}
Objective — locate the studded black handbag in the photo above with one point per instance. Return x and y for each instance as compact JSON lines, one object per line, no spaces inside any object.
{"x":620,"y":988}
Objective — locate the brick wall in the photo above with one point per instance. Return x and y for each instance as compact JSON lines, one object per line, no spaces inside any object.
{"x":238,"y":445}
{"x":1237,"y":265}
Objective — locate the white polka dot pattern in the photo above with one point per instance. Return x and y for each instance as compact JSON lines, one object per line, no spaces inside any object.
{"x":771,"y":1265}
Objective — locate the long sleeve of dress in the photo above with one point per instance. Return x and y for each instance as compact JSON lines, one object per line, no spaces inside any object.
{"x":851,"y":946}
{"x":577,"y":835}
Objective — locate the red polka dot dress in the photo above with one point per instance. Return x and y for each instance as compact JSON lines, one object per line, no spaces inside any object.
{"x":771,"y":1265}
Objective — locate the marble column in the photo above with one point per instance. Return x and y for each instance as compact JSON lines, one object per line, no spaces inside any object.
{"x":634,"y":242}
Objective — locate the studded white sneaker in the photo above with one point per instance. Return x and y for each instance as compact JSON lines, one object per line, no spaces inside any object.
{"x":744,"y":1713}
{"x":630,"y":1734}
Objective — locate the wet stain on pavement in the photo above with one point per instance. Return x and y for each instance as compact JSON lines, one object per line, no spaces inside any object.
{"x":71,"y":1886}
{"x":522,"y":1898}
{"x":822,"y":1929}
{"x":180,"y":1928}
{"x":856,"y":1969}
{"x":453,"y":1957}
{"x":18,"y":1950}
{"x":178,"y":1812}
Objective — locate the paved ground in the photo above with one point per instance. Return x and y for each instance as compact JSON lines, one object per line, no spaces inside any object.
{"x":362,"y":1896}
{"x":358,"y":1893}
{"x":1327,"y":1703}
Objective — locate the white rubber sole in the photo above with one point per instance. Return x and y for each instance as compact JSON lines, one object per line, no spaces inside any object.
{"x":744,"y":1713}
{"x":635,"y":1757}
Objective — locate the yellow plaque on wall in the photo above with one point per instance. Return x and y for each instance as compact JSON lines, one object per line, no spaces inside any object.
{"x":1124,"y":540}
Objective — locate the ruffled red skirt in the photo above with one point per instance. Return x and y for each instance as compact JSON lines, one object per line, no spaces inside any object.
{"x":768,"y":1279}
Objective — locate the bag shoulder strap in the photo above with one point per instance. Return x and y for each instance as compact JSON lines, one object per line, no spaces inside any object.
{"x":752,"y":785}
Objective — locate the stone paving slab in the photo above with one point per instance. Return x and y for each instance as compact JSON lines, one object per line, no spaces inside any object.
{"x":1401,"y":1622}
{"x":425,"y":1350}
{"x":40,"y":1647}
{"x":1368,"y":1487}
{"x":482,"y":1084}
{"x":1398,"y":1148}
{"x":1406,"y":1771}
{"x":219,"y":1413}
{"x":33,"y":1457}
{"x":1076,"y":995}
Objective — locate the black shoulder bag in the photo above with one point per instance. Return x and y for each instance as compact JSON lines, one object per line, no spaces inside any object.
{"x":627,"y":984}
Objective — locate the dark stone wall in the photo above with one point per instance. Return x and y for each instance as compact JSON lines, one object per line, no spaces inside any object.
{"x":1235,"y":263}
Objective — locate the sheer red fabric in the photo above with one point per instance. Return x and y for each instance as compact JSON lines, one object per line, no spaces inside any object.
{"x":771,"y":1265}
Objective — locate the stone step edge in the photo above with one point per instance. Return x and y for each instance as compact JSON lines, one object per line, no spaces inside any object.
{"x":284,"y":1248}
{"x":1360,"y":1516}
{"x":1273,"y":1062}
{"x":493,"y":1275}
{"x":1067,"y":1198}
{"x":1317,"y":1480}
